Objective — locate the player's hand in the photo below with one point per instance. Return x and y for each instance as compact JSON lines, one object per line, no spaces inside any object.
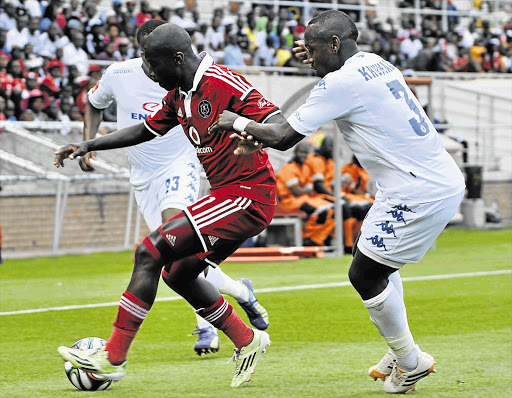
{"x":70,"y":151}
{"x":85,"y":161}
{"x":224,"y":122}
{"x":246,"y":144}
{"x":301,"y":52}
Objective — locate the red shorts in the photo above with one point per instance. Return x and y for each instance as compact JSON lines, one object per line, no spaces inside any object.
{"x":224,"y":222}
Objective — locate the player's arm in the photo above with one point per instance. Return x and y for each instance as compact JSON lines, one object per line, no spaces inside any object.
{"x":92,"y":119}
{"x":128,"y":136}
{"x":275,"y":133}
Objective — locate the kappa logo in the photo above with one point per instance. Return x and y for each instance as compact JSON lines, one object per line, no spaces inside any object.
{"x":213,"y":239}
{"x":171,"y":239}
{"x":180,"y":113}
{"x":204,"y":108}
{"x":262,"y":102}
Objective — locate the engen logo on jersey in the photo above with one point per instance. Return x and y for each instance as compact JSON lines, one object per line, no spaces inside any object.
{"x":150,"y":107}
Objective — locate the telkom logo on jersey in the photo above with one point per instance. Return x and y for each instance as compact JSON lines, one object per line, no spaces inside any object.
{"x":150,"y":107}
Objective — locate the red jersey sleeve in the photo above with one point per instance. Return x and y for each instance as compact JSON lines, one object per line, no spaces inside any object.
{"x":254,"y":106}
{"x":163,"y":120}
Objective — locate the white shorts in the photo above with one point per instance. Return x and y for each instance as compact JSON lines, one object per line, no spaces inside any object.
{"x":395,"y":233}
{"x":176,"y":188}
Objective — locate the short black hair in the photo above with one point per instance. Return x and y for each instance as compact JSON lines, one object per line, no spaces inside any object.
{"x":147,"y":27}
{"x":338,"y":20}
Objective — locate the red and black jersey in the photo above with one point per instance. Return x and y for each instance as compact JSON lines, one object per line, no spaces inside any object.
{"x":217,"y":88}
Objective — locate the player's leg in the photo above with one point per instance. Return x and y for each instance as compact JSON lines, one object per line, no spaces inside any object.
{"x":249,"y":343}
{"x":224,"y":222}
{"x":156,"y":250}
{"x":394,"y":234}
{"x":243,"y":292}
{"x":174,"y":190}
{"x":387,"y":312}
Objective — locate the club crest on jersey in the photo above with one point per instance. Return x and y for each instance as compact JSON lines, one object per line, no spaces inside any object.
{"x":204,"y":108}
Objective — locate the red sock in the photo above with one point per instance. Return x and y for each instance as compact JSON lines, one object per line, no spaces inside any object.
{"x":130,"y":314}
{"x":223,"y":317}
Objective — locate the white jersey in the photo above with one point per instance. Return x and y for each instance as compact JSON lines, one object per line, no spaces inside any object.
{"x":137,"y":97}
{"x":368,"y":98}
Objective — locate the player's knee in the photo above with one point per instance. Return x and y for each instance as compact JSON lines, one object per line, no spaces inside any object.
{"x":144,"y":258}
{"x":354,"y":276}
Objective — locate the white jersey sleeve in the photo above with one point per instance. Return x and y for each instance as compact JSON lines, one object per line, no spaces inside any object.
{"x":102,"y":94}
{"x":323,"y":105}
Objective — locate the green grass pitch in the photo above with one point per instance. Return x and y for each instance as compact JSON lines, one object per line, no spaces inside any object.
{"x":323,"y":341}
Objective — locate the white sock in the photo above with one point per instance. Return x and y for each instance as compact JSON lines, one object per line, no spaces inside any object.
{"x":387,"y":312}
{"x":202,"y":323}
{"x":396,"y":280}
{"x":226,"y":285}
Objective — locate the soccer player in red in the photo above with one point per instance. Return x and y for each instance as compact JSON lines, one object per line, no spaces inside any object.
{"x":240,"y":205}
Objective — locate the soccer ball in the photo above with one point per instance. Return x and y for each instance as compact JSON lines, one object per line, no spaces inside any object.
{"x":82,"y":379}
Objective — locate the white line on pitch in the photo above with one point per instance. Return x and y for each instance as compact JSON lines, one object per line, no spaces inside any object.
{"x":265,"y":290}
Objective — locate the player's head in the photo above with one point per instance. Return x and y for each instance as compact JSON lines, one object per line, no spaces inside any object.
{"x":145,"y":29}
{"x":330,"y":39}
{"x":142,"y":33}
{"x":168,"y":49}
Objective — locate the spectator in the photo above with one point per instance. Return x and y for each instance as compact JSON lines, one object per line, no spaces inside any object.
{"x":95,"y":38}
{"x":74,"y":54}
{"x":124,"y":50}
{"x":411,"y":46}
{"x":321,"y":171}
{"x":15,"y":38}
{"x":215,"y":37}
{"x":200,"y":39}
{"x":241,"y":35}
{"x":10,"y":111}
{"x":427,"y":59}
{"x":51,"y":82}
{"x":31,"y":83}
{"x":395,"y":55}
{"x":460,"y":63}
{"x":34,"y":106}
{"x":476,"y":56}
{"x":266,"y":55}
{"x":8,"y":17}
{"x":33,"y":34}
{"x":108,"y":52}
{"x":52,"y":40}
{"x":294,"y":192}
{"x":179,"y":18}
{"x":233,"y":53}
{"x":284,"y":55}
{"x":251,"y":34}
{"x":144,"y":14}
{"x":4,"y":60}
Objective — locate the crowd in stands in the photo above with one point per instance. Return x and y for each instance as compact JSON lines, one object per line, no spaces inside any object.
{"x":48,"y":47}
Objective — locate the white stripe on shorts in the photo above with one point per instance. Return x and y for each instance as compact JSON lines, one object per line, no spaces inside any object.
{"x":227,"y":207}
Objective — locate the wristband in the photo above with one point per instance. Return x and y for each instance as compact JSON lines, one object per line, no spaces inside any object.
{"x":241,"y":123}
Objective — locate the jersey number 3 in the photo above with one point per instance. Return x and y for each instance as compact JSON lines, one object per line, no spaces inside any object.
{"x":419,"y":126}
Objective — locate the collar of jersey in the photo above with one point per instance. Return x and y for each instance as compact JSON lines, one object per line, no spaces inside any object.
{"x":206,"y":62}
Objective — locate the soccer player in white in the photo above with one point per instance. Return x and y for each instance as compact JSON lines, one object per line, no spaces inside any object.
{"x":165,"y":172}
{"x":420,"y":186}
